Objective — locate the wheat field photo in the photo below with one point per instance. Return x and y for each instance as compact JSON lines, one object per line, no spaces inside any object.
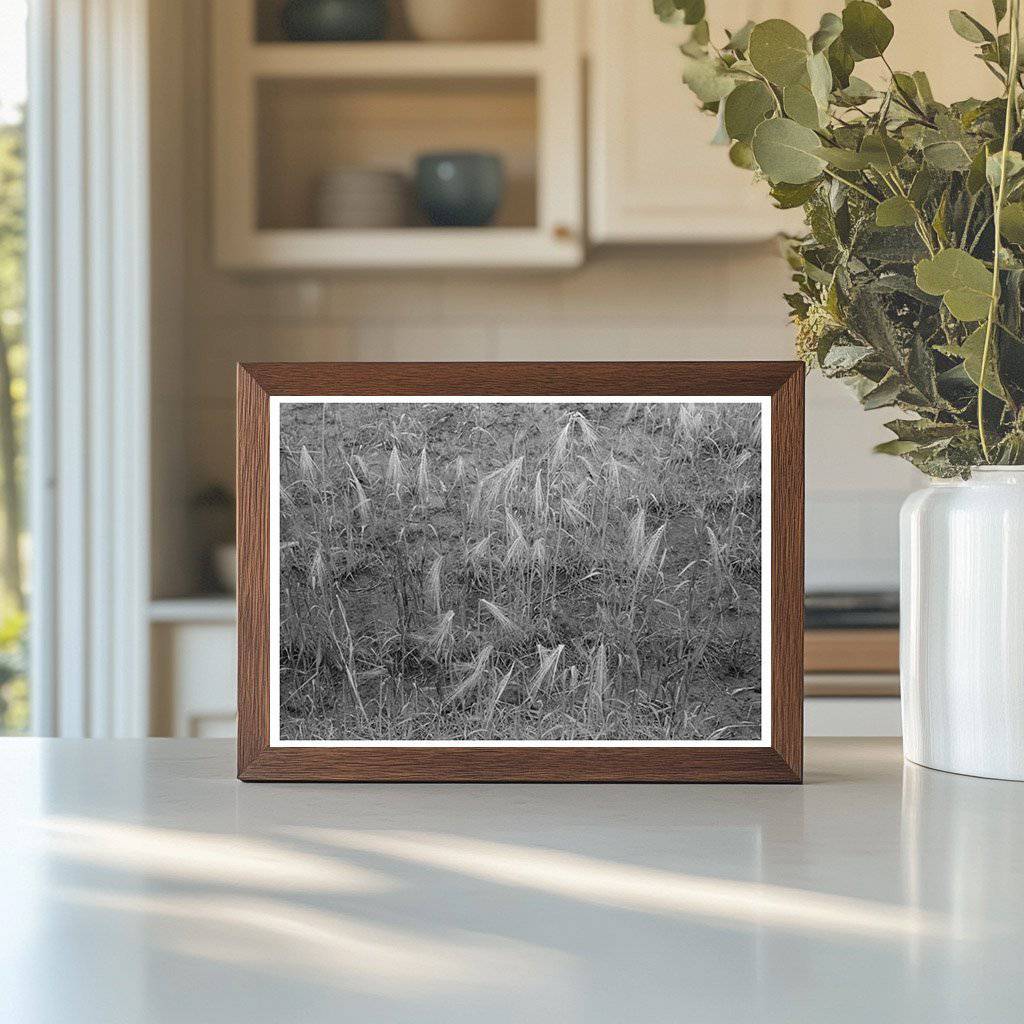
{"x":514,"y":570}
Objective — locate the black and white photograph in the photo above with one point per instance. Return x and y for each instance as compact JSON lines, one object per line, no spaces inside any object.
{"x":520,"y":571}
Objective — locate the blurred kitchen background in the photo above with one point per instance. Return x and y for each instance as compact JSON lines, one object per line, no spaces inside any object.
{"x":317,"y":199}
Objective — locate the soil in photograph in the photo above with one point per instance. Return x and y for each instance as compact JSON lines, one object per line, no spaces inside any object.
{"x":520,"y":571}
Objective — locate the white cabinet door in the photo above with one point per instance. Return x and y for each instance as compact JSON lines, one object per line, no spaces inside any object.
{"x":654,"y":177}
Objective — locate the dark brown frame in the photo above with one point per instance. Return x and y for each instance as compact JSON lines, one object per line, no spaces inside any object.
{"x":782,"y":761}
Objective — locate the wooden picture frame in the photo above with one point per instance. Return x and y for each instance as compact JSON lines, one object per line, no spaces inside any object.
{"x":777,"y":757}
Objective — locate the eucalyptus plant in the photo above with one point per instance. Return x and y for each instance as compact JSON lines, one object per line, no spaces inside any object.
{"x":910,"y":278}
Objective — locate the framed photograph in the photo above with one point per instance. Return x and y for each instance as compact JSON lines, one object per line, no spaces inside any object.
{"x":578,"y":572}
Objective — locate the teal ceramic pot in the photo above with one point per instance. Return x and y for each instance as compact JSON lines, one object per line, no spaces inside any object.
{"x":334,"y":21}
{"x":460,"y":189}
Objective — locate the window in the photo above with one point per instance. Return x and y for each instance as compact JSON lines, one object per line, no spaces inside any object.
{"x":14,"y":548}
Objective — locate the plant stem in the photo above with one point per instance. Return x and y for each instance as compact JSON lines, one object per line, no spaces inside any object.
{"x":853,"y":185}
{"x":1011,"y":110}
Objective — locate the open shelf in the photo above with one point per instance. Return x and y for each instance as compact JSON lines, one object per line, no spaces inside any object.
{"x":520,"y":22}
{"x":285,"y":114}
{"x":307,"y":128}
{"x":392,"y":60}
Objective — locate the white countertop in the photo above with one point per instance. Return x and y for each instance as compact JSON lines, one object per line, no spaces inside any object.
{"x":140,"y":882}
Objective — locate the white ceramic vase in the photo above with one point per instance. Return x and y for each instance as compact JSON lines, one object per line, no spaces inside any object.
{"x":962,"y":624}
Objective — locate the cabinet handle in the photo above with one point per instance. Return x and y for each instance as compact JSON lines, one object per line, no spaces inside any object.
{"x":562,"y":232}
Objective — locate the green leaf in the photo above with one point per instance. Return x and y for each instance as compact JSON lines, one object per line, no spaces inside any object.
{"x":829,"y":30}
{"x":819,"y":74}
{"x":741,"y":155}
{"x":841,"y":62}
{"x":969,"y":28}
{"x":895,"y":212}
{"x":947,"y":156}
{"x":924,"y":87}
{"x":844,"y":159}
{"x":922,"y":185}
{"x":1012,"y":224}
{"x":999,"y":9}
{"x":779,"y":51}
{"x":976,"y":173}
{"x":971,"y":351}
{"x":857,"y":91}
{"x":789,"y":197}
{"x":666,"y":10}
{"x":922,"y":431}
{"x":801,"y":106}
{"x":707,"y":78}
{"x":787,"y":151}
{"x":701,"y":34}
{"x":896,"y":447}
{"x":883,"y":152}
{"x":993,"y":167}
{"x":963,"y":281}
{"x":689,"y":12}
{"x":885,"y":394}
{"x":866,"y":29}
{"x":939,"y":220}
{"x":739,"y":41}
{"x":745,"y":108}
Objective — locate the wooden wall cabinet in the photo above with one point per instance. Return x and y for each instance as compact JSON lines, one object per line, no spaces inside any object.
{"x":285,"y":113}
{"x":653,"y":177}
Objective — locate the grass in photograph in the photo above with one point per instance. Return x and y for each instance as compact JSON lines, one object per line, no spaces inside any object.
{"x":520,"y":571}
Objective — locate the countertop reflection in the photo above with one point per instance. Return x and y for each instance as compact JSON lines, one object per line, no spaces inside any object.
{"x":140,"y":882}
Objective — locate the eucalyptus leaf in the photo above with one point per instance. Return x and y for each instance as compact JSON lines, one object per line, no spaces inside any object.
{"x":739,"y":41}
{"x":689,"y":12}
{"x":787,"y":152}
{"x":819,"y":76}
{"x":1012,"y":223}
{"x":745,"y":108}
{"x":857,"y":91}
{"x":993,"y":167}
{"x":924,"y":87}
{"x":972,"y":352}
{"x":976,"y":176}
{"x":787,"y":196}
{"x":883,"y":152}
{"x":922,"y":186}
{"x":896,"y":447}
{"x":969,"y":28}
{"x":885,"y":394}
{"x":779,"y":51}
{"x":947,"y":156}
{"x":801,"y":106}
{"x":829,"y":30}
{"x":708,"y":80}
{"x":922,"y":431}
{"x":741,"y":155}
{"x":866,"y":29}
{"x":841,"y":62}
{"x":963,"y":281}
{"x":844,"y":159}
{"x":895,"y":212}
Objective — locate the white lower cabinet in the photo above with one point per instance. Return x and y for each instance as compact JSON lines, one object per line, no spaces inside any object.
{"x":193,"y":679}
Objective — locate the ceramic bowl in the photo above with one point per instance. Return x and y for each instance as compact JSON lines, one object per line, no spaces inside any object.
{"x":459,"y":189}
{"x":359,"y":197}
{"x":470,"y":20}
{"x":332,"y":21}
